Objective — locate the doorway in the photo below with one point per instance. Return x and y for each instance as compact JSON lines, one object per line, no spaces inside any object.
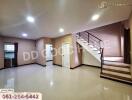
{"x":49,"y":54}
{"x":66,"y":55}
{"x":127,"y":46}
{"x":10,"y":55}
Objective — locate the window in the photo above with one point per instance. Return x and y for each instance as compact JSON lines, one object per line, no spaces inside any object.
{"x":9,"y":48}
{"x":9,"y":51}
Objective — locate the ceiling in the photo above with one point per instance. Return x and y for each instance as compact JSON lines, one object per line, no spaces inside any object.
{"x":50,"y":15}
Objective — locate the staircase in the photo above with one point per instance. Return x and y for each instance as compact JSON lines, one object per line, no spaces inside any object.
{"x":116,"y":71}
{"x":109,"y":69}
{"x":90,"y":43}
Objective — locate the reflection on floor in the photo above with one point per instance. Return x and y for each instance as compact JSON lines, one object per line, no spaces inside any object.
{"x":60,"y":83}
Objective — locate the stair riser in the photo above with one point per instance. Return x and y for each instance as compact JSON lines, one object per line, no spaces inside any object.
{"x":117,"y":68}
{"x":116,"y":79}
{"x":117,"y":74}
{"x":118,"y":71}
{"x":110,"y":63}
{"x":117,"y":65}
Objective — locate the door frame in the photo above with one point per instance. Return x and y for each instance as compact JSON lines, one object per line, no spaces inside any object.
{"x":51,"y":52}
{"x":127,"y":46}
{"x":63,"y":56}
{"x":16,"y":53}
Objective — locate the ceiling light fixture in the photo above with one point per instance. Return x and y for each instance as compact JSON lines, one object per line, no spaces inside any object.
{"x":61,"y":30}
{"x":30,"y":19}
{"x":24,"y":34}
{"x":95,"y":17}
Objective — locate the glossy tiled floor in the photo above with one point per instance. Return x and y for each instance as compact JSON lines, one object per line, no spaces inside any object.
{"x":59,"y":83}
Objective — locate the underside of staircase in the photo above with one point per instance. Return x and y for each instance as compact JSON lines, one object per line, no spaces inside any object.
{"x":111,"y":67}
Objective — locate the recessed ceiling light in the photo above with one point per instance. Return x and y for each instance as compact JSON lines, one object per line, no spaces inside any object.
{"x":95,"y":17}
{"x":51,"y":83}
{"x":61,"y":30}
{"x":24,"y":34}
{"x":30,"y":19}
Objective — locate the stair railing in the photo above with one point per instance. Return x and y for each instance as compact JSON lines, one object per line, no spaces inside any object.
{"x":91,"y":39}
{"x":102,"y":58}
{"x":95,"y":41}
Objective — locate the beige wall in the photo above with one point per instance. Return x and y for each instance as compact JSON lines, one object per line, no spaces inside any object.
{"x":24,"y":45}
{"x":57,"y":43}
{"x":40,"y":47}
{"x":88,"y":59}
{"x":47,"y":40}
{"x":1,"y":53}
{"x":80,"y":54}
{"x":77,"y":54}
{"x":41,"y":54}
{"x":112,"y":35}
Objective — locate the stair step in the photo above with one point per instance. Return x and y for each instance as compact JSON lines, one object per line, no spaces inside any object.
{"x":116,"y":64}
{"x":99,"y":52}
{"x":95,"y":49}
{"x":81,"y":39}
{"x":85,"y":42}
{"x":88,"y":46}
{"x":117,"y":74}
{"x":118,"y":59}
{"x":118,"y":71}
{"x":117,"y":78}
{"x":91,"y":46}
{"x":117,"y":68}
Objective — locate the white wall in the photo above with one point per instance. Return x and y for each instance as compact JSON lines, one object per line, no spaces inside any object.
{"x":49,"y":55}
{"x":88,"y":59}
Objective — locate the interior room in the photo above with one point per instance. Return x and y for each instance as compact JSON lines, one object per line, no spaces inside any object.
{"x":66,"y":49}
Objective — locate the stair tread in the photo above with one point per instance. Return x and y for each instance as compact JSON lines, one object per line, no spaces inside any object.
{"x":117,"y":74}
{"x":118,"y":71}
{"x":119,"y":59}
{"x":117,"y":68}
{"x":116,"y":78}
{"x":94,"y":49}
{"x":91,"y":46}
{"x":116,"y":64}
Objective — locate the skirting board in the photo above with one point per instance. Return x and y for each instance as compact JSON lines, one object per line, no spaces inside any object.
{"x":31,"y":64}
{"x":49,"y":60}
{"x":76,"y":66}
{"x":91,"y":65}
{"x":41,"y":65}
{"x":2,"y":68}
{"x":85,"y":65}
{"x":23,"y":65}
{"x":57,"y":64}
